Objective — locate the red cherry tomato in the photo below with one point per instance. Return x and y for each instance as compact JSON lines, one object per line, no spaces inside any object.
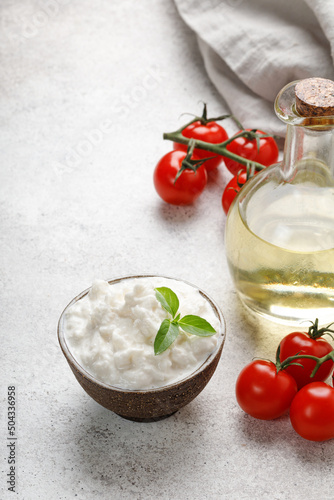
{"x":211,"y":132}
{"x":312,"y":412}
{"x":232,"y":189}
{"x":262,"y":392}
{"x":267,"y":154}
{"x":301,"y":343}
{"x":186,"y":188}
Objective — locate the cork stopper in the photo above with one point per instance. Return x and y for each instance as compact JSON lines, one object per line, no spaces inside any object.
{"x":315,"y":97}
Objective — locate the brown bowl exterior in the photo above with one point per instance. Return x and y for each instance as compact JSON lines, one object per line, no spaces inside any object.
{"x":147,"y":405}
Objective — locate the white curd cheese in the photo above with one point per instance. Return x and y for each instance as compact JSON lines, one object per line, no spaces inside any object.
{"x":111,"y":333}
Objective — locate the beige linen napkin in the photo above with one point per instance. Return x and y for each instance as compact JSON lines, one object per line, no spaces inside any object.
{"x":252,"y":48}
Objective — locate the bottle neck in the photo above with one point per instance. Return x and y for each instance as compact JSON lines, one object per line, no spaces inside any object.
{"x":303,"y":143}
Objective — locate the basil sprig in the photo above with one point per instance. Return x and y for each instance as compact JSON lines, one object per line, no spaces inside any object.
{"x":170,"y":328}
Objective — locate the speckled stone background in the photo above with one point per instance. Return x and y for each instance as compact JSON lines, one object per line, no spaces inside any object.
{"x":87,"y":89}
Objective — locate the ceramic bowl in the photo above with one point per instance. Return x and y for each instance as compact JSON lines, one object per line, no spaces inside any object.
{"x":150,"y":404}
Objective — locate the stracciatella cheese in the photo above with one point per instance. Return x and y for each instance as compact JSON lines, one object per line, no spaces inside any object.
{"x":111,"y":333}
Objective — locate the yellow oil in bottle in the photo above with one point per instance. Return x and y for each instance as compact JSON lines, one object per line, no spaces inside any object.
{"x":280,"y":246}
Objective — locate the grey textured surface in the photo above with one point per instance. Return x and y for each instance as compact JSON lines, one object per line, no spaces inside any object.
{"x":87,"y":89}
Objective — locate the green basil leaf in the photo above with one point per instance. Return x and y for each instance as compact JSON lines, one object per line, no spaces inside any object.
{"x":168,"y":299}
{"x":196,"y":326}
{"x":166,"y":335}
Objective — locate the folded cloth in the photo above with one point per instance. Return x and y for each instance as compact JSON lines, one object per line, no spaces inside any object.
{"x":252,"y":48}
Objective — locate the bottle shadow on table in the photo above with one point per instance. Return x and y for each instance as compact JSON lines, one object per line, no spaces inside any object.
{"x":263,"y":335}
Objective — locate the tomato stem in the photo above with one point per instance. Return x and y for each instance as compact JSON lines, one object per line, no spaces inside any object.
{"x":237,"y":122}
{"x":205,"y":120}
{"x":220,"y":148}
{"x":289,"y":361}
{"x":314,"y":332}
{"x":188,"y":163}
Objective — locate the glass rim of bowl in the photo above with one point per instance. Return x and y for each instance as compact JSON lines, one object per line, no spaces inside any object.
{"x":70,"y":357}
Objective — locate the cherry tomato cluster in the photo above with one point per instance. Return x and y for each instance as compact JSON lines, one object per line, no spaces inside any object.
{"x":178,"y":185}
{"x":295,"y":383}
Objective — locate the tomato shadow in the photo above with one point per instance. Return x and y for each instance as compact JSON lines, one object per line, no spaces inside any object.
{"x":177,"y":214}
{"x":280,"y":436}
{"x":264,"y":432}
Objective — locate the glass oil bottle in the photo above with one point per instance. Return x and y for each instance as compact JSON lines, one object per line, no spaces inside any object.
{"x":280,"y":230}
